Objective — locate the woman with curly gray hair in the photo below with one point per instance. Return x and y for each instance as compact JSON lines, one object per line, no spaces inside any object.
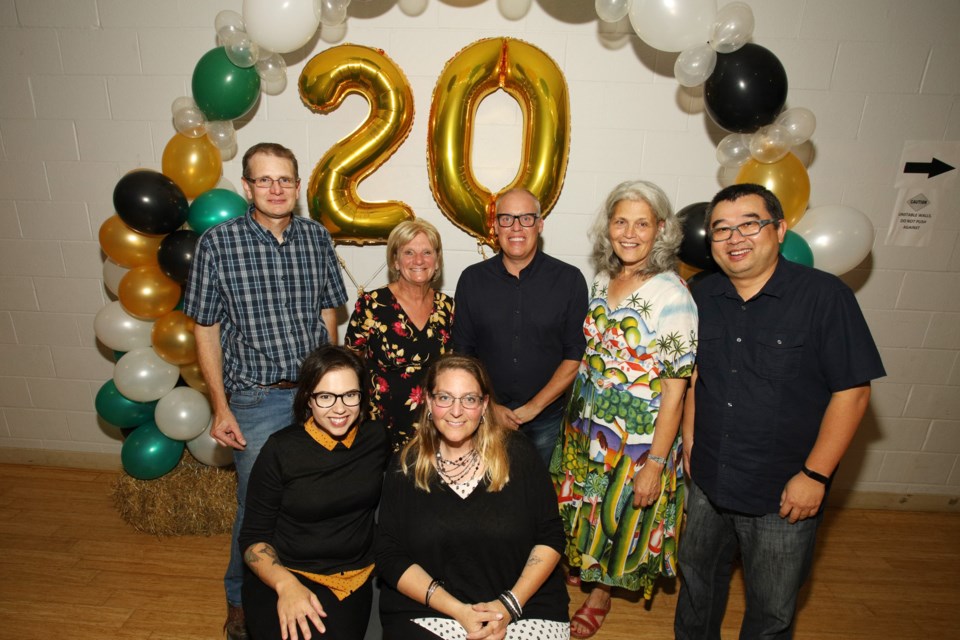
{"x":617,"y":468}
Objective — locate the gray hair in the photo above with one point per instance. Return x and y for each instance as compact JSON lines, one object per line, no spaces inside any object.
{"x":403,"y":234}
{"x":663,"y":255}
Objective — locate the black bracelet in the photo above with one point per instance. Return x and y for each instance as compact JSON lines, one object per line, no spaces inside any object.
{"x":511,"y":604}
{"x":813,"y":475}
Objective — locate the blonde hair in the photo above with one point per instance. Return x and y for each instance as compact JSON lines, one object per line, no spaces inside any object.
{"x":417,"y":457}
{"x":404,"y":233}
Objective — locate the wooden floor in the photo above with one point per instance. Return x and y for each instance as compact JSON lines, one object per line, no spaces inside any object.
{"x":71,"y":569}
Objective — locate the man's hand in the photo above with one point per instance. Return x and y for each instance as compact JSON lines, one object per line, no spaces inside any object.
{"x":226,"y":431}
{"x":505,"y":416}
{"x":526,"y":413}
{"x":801,"y":498}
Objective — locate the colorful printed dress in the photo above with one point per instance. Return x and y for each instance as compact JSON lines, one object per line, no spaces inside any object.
{"x":397,"y":355}
{"x":608,"y":429}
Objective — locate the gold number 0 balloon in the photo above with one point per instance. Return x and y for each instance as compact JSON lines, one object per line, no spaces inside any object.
{"x":536,"y":82}
{"x":326,"y":80}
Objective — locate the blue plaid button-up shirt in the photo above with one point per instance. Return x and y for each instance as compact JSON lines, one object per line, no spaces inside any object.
{"x":266,"y":295}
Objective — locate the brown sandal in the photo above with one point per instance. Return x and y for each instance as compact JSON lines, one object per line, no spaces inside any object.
{"x":590,"y":618}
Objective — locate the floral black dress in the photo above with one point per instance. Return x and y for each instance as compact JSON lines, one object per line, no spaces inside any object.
{"x":397,"y":355}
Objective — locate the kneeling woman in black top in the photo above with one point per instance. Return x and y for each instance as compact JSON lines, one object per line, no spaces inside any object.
{"x":308,"y":531}
{"x":470,"y":536}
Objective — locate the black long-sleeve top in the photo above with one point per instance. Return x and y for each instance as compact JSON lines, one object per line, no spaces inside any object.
{"x":313,"y":505}
{"x":477,"y":546}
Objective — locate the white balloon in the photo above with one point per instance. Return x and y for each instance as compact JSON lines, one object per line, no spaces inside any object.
{"x":770,"y":143}
{"x":112,"y":274}
{"x":333,"y":35}
{"x":332,"y":13}
{"x":143,"y":376}
{"x":839,"y":236}
{"x":733,"y":150}
{"x":222,"y":134}
{"x":119,"y":330}
{"x":182,"y":414}
{"x":228,"y":22}
{"x":240,"y":48}
{"x":514,"y":9}
{"x":276,"y":87}
{"x":695,"y":65}
{"x":800,"y":123}
{"x":271,"y":66}
{"x":187,"y":117}
{"x":612,"y":10}
{"x":226,"y":184}
{"x":732,"y":27}
{"x":208,"y":451}
{"x":669,"y":25}
{"x":412,"y":8}
{"x":280,"y":26}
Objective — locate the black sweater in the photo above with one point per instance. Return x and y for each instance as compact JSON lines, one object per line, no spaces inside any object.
{"x":477,"y":546}
{"x":316,"y":506}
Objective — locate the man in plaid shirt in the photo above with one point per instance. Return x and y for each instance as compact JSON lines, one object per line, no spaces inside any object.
{"x":264,"y":291}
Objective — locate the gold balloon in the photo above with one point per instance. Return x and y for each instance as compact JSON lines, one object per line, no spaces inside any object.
{"x":194,"y":164}
{"x":147,"y":293}
{"x":192,"y":375}
{"x":537,"y":84}
{"x":788,"y":180}
{"x":172,"y":338}
{"x":332,"y":196}
{"x":126,"y":247}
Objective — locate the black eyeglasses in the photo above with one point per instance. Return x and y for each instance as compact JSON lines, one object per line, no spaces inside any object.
{"x":266,"y":182}
{"x":445,"y":400}
{"x":749,"y":228}
{"x":325,"y":399}
{"x":526,"y":219}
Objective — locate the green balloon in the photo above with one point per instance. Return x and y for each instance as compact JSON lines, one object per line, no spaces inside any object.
{"x":119,"y":410}
{"x":221,"y":89}
{"x":796,"y":249}
{"x":147,"y":454}
{"x":212,"y":207}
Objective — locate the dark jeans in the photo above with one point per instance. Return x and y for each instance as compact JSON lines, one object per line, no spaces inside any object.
{"x":776,"y":561}
{"x":543,"y":431}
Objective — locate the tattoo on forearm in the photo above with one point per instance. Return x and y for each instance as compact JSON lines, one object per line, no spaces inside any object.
{"x":533,"y":560}
{"x":253,"y":555}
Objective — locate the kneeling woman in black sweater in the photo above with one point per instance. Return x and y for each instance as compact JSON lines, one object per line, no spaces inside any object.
{"x":308,"y":531}
{"x":470,"y":536}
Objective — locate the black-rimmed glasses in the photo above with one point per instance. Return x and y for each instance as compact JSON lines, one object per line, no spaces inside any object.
{"x":266,"y":182}
{"x":746,"y":229}
{"x":445,"y":400}
{"x":526,"y":219}
{"x":325,"y":399}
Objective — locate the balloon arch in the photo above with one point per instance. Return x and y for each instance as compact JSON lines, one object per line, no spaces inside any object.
{"x":150,"y":242}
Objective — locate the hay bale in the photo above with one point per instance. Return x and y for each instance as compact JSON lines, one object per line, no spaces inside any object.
{"x":193,"y":499}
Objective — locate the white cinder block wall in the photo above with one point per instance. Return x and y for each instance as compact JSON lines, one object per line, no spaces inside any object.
{"x":85,"y":94}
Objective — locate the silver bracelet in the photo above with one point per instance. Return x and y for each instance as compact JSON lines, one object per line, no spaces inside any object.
{"x":657,"y":459}
{"x":436,"y":584}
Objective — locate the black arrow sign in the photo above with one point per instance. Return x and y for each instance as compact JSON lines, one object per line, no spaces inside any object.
{"x":932,"y":169}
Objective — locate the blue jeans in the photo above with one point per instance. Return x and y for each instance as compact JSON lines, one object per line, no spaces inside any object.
{"x":776,"y":561}
{"x":543,"y":432}
{"x":260,"y":412}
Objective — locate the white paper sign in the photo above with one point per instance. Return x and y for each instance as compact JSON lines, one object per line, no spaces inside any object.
{"x":926,"y":169}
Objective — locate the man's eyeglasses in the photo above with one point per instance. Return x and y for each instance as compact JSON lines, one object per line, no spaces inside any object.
{"x":526,"y":219}
{"x":445,"y":400}
{"x":325,"y":399}
{"x":749,"y":228}
{"x":266,"y":182}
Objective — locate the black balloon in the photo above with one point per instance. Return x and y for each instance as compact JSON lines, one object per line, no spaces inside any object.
{"x":150,"y":202}
{"x":176,"y":254}
{"x":695,"y":248}
{"x":746,"y":90}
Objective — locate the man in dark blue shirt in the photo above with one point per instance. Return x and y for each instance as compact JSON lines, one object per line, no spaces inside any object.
{"x":784,"y":364}
{"x":521,"y":313}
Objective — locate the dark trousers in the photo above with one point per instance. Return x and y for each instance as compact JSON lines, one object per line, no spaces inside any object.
{"x":776,"y":557}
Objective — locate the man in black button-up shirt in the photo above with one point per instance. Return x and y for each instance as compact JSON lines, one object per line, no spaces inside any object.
{"x":784,"y":364}
{"x":521,"y":313}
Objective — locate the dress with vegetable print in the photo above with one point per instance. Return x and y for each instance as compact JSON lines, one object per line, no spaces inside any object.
{"x":397,"y":355}
{"x":608,"y":429}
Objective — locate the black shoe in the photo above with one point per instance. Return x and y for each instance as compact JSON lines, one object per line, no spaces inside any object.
{"x":236,"y":625}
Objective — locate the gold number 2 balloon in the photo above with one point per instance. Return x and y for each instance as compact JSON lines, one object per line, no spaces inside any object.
{"x":537,"y":84}
{"x":332,"y":196}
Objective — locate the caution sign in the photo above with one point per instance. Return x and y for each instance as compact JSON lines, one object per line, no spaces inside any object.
{"x":926,"y":170}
